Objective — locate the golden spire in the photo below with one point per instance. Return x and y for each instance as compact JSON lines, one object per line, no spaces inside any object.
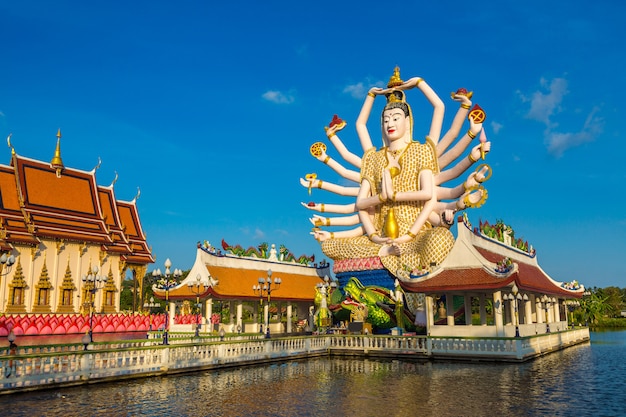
{"x":57,"y":162}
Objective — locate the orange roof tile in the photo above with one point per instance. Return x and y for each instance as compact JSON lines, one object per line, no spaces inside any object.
{"x":35,"y":202}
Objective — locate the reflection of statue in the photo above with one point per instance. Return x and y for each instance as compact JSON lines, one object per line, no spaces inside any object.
{"x":400,"y":201}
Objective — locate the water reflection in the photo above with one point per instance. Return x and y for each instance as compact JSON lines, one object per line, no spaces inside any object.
{"x":583,"y":380}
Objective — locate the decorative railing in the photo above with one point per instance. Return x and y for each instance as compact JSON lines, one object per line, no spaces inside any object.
{"x":40,"y":367}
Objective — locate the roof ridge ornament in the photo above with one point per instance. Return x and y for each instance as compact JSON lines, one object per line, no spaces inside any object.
{"x":137,"y":196}
{"x":9,"y":144}
{"x":57,"y":162}
{"x":114,"y":180}
{"x":97,"y":165}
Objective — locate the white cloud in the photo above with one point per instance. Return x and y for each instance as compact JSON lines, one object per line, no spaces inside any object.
{"x":496,"y":127}
{"x":359,"y":90}
{"x":259,"y":234}
{"x":559,"y":142}
{"x":278,"y":97}
{"x":356,"y":90}
{"x":545,"y":107}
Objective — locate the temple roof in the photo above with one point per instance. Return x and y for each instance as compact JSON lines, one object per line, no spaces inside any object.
{"x":232,"y":277}
{"x":38,"y":200}
{"x":473,"y":265}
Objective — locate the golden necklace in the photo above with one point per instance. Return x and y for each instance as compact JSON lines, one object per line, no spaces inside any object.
{"x":396,"y":153}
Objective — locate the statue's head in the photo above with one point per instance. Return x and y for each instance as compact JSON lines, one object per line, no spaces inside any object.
{"x":397,"y":112}
{"x":396,"y":122}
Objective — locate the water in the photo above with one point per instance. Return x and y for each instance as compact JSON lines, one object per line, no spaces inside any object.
{"x":585,"y":380}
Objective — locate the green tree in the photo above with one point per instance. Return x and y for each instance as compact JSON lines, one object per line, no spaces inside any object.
{"x":594,"y":306}
{"x":614,"y":299}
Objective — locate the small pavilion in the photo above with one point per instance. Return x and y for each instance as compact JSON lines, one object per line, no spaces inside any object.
{"x":489,"y":273}
{"x":230,"y":276}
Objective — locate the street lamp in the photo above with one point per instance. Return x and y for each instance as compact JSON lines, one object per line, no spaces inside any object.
{"x":6,"y":261}
{"x":93,"y":282}
{"x":12,"y":346}
{"x":571,"y":306}
{"x":265,"y":288}
{"x":166,"y":282}
{"x":325,"y":288}
{"x":515,"y":297}
{"x":149,"y":306}
{"x":546,"y":305}
{"x":197,"y":288}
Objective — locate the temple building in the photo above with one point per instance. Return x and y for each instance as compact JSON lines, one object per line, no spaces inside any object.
{"x":232,"y":276}
{"x":66,"y":242}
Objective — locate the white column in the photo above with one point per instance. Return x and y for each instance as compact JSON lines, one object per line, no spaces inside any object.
{"x":208,"y":312}
{"x":557,"y":311}
{"x":498,"y":310}
{"x":528,"y":312}
{"x":450,"y":309}
{"x":289,"y":314}
{"x":239,"y":316}
{"x":430,"y":313}
{"x":539,"y":309}
{"x":170,"y":316}
{"x":266,"y":317}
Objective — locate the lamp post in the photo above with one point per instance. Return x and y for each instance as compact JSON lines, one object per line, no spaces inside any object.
{"x":166,"y":282}
{"x":514,"y":298}
{"x":93,"y":282}
{"x":11,"y":338}
{"x":264,"y":289}
{"x":6,"y":261}
{"x":197,"y":288}
{"x":149,"y":306}
{"x":571,"y":306}
{"x":325,"y":288}
{"x":546,"y":302}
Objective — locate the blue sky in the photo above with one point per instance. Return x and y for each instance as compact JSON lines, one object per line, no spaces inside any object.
{"x":210,"y":109}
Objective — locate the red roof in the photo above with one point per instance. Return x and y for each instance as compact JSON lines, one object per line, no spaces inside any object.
{"x":480,"y":273}
{"x":37,"y":203}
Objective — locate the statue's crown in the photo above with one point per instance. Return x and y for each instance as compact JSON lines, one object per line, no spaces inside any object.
{"x":396,"y":96}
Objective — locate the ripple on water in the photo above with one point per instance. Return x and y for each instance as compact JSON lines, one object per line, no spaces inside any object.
{"x":584,"y":380}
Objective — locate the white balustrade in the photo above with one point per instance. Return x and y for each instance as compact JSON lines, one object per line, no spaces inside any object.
{"x":59,"y":366}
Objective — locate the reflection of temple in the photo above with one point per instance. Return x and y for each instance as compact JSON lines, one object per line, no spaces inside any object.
{"x":230,"y":277}
{"x":59,"y":224}
{"x":502,"y":285}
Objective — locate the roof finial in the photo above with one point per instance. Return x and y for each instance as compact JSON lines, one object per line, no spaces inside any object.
{"x":57,"y":162}
{"x":97,"y":165}
{"x":114,"y":180}
{"x":10,"y":145}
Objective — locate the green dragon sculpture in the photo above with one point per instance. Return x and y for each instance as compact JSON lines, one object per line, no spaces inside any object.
{"x":380,"y":306}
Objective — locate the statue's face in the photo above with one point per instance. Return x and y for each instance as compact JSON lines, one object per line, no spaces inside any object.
{"x":395,"y":124}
